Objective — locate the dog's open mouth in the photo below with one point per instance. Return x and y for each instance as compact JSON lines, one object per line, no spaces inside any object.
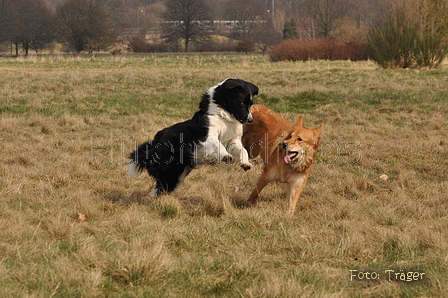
{"x":290,"y":155}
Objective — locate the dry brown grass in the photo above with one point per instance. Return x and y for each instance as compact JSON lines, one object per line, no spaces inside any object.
{"x":66,"y":122}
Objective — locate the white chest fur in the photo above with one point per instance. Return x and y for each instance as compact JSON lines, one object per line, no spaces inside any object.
{"x":223,"y":140}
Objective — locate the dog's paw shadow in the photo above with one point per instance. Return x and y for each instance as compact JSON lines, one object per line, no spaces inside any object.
{"x":196,"y":206}
{"x":240,"y":202}
{"x":193,"y":206}
{"x":138,"y":197}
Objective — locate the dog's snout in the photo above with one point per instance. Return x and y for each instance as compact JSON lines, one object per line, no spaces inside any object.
{"x":284,"y":145}
{"x":250,"y":118}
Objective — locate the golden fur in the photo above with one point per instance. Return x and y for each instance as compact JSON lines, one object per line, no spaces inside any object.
{"x":287,"y":151}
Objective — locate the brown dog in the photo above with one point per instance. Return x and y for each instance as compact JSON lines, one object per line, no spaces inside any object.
{"x":287,"y":151}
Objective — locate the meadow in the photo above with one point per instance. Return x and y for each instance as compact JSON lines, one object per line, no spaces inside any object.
{"x":371,"y":222}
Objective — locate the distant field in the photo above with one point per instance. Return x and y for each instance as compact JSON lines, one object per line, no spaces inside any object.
{"x":73,"y":224}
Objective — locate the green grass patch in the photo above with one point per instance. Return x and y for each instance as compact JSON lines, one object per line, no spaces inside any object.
{"x":303,"y":102}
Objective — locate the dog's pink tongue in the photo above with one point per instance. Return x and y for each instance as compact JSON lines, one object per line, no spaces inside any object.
{"x":288,"y":157}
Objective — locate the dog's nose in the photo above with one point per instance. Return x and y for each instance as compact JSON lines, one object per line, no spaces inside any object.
{"x":249,"y":118}
{"x":284,"y":145}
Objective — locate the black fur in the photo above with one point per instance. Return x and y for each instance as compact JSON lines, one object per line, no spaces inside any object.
{"x":172,"y":151}
{"x":170,"y":156}
{"x":235,"y":96}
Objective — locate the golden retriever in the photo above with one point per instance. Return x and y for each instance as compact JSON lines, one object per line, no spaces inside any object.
{"x":288,"y":151}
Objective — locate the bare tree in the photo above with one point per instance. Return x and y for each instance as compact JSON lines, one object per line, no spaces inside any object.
{"x":187,"y":20}
{"x":246,"y":13}
{"x":145,"y":19}
{"x":265,"y":36}
{"x":32,"y":24}
{"x":82,"y":25}
{"x":115,"y":11}
{"x":433,"y":16}
{"x":6,"y":18}
{"x":325,"y":13}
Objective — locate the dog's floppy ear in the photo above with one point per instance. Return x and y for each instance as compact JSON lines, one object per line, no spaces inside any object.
{"x":252,"y":88}
{"x":238,"y":84}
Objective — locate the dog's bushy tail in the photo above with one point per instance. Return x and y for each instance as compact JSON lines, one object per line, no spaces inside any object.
{"x":136,"y":163}
{"x":134,"y":169}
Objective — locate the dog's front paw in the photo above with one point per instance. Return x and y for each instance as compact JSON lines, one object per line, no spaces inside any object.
{"x":251,"y":203}
{"x":227,"y":158}
{"x":246,"y":166}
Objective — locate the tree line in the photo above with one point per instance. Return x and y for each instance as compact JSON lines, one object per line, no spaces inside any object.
{"x":82,"y":25}
{"x":90,"y":25}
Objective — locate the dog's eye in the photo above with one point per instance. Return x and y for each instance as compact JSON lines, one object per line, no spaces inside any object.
{"x":299,"y":139}
{"x":242,"y":103}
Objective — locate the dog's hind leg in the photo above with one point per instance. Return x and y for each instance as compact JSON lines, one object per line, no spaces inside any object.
{"x":168,"y":182}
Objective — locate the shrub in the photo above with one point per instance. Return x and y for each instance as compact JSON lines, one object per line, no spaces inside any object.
{"x":138,"y":45}
{"x":217,"y":47}
{"x":245,"y":45}
{"x":115,"y":52}
{"x":324,"y":48}
{"x":402,"y":43}
{"x":391,"y":44}
{"x":430,"y":50}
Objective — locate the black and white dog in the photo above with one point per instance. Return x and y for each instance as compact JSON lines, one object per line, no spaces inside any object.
{"x":211,"y":136}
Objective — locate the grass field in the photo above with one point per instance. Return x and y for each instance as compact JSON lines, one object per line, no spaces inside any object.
{"x":73,"y":224}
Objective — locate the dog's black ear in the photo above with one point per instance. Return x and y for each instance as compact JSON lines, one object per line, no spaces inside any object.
{"x":253,"y":89}
{"x":238,"y":83}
